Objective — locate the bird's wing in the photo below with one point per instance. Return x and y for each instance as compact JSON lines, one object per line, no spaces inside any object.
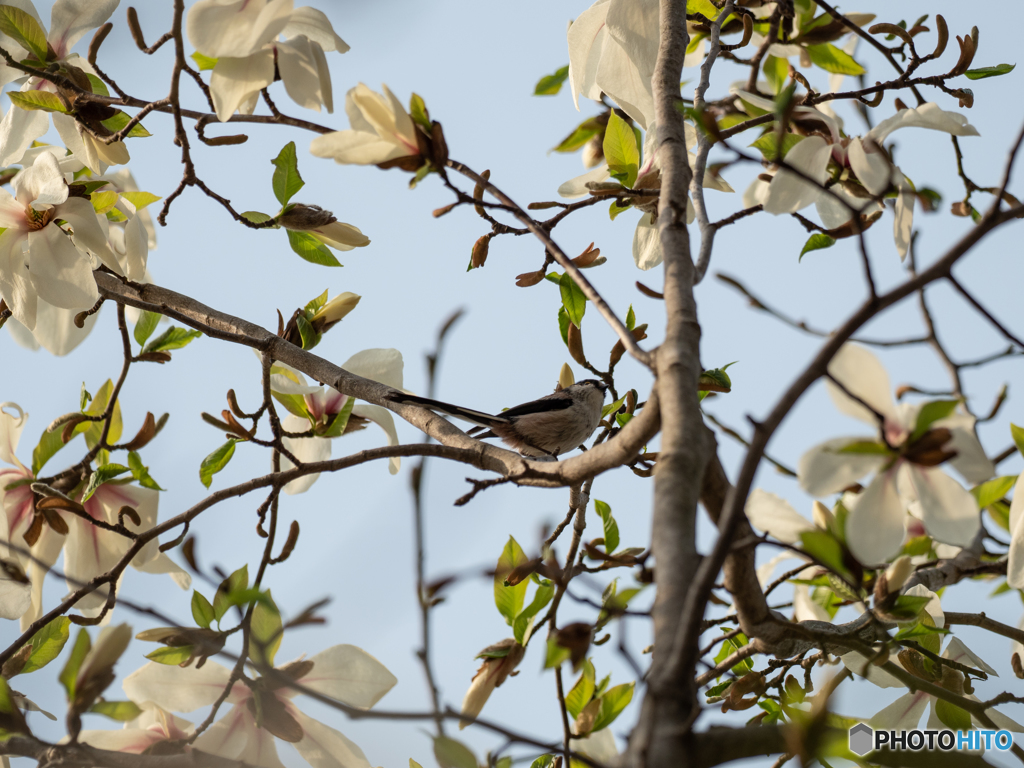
{"x":543,"y":405}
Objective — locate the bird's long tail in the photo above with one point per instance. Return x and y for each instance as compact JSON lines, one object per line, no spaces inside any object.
{"x":466,"y":414}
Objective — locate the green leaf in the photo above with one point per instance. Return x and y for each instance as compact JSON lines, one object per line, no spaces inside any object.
{"x":41,"y":100}
{"x":1018,"y":437}
{"x":119,"y":121}
{"x":1000,"y":514}
{"x":453,"y":754}
{"x":573,"y":300}
{"x":914,"y":631}
{"x":103,"y":201}
{"x":69,"y":674}
{"x":556,"y":654}
{"x":287,"y":180}
{"x":216,"y":461}
{"x":952,"y":716}
{"x":612,"y":703}
{"x":24,"y":30}
{"x":311,"y":249}
{"x":509,"y":600}
{"x":256,"y":217}
{"x":544,"y":761}
{"x":816,"y":242}
{"x":141,"y":472}
{"x":776,"y":70}
{"x":582,"y":692}
{"x":866,"y":447}
{"x":612,"y":407}
{"x":102,"y":475}
{"x":203,"y":62}
{"x":47,"y":644}
{"x":549,"y":85}
{"x":522,"y":627}
{"x":832,"y":59}
{"x":982,"y":72}
{"x":827,"y":550}
{"x":563,"y":325}
{"x":767,"y":145}
{"x":172,"y":657}
{"x":615,"y":209}
{"x":909,"y":607}
{"x":930,"y":413}
{"x":121,"y":711}
{"x":173,"y":338}
{"x":233,"y":584}
{"x":49,"y":444}
{"x":337,"y":427}
{"x":611,"y":528}
{"x":202,"y":610}
{"x":630,"y":319}
{"x":313,"y":305}
{"x":992,"y":491}
{"x":265,"y":632}
{"x":621,"y":151}
{"x":145,"y":326}
{"x":580,"y":135}
{"x":419,"y":113}
{"x":728,"y":648}
{"x":140,"y":199}
{"x":97,"y":86}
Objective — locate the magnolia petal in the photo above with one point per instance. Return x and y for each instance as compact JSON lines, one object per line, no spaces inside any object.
{"x":342,"y":236}
{"x":235,"y":80}
{"x":383,"y":365}
{"x":74,"y":140}
{"x":804,"y":608}
{"x":300,"y":73}
{"x":70,"y":19}
{"x":957,"y":651}
{"x":584,"y":56}
{"x":236,"y":737}
{"x":756,"y":193}
{"x":634,"y":24}
{"x":647,"y":251}
{"x":15,"y":596}
{"x":381,"y":112}
{"x":934,"y":605}
{"x":350,"y":675}
{"x":136,"y":246}
{"x":315,"y":25}
{"x":862,"y":667}
{"x":928,"y":115}
{"x":1002,"y":721}
{"x":356,"y":148}
{"x":16,"y":284}
{"x":88,"y":232}
{"x":865,"y":377}
{"x":235,"y":28}
{"x":903,"y":714}
{"x":19,"y":129}
{"x":163,"y":564}
{"x":180,"y":689}
{"x":61,"y":274}
{"x":824,"y":470}
{"x":787,"y":192}
{"x":356,"y":120}
{"x":598,"y":746}
{"x":875,"y":526}
{"x":41,"y":184}
{"x":872,"y":166}
{"x":970,"y":462}
{"x":577,"y":187}
{"x":133,"y":741}
{"x":776,"y":516}
{"x":55,"y":330}
{"x":10,"y":433}
{"x":618,"y":77}
{"x":323,"y":747}
{"x":903,"y":221}
{"x":383,"y":418}
{"x":305,"y":449}
{"x":949,"y":511}
{"x":324,"y":73}
{"x":1015,"y":566}
{"x":45,"y":553}
{"x":767,"y":570}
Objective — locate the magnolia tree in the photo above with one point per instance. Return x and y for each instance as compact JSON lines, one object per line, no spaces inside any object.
{"x":897,"y":518}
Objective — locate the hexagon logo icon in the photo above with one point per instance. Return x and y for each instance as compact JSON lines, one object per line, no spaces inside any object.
{"x":861,"y":739}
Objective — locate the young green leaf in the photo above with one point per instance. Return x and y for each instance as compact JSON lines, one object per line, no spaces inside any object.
{"x":120,"y":120}
{"x":982,"y":72}
{"x":141,"y":472}
{"x":582,"y":692}
{"x":311,"y":249}
{"x":140,"y":199}
{"x":102,"y":475}
{"x":826,"y":56}
{"x":172,"y":656}
{"x":611,"y":528}
{"x":79,"y":650}
{"x":549,"y":85}
{"x":24,"y":30}
{"x":563,"y":325}
{"x":286,"y":181}
{"x":173,"y":338}
{"x":49,"y":444}
{"x":509,"y":600}
{"x":237,"y":582}
{"x":992,"y":491}
{"x":453,"y":754}
{"x":816,"y":242}
{"x":265,"y":633}
{"x":776,"y":70}
{"x":621,"y":151}
{"x":145,"y":326}
{"x":767,"y":145}
{"x":929,"y":414}
{"x":202,"y":610}
{"x":613,"y":701}
{"x":630,"y":319}
{"x":121,"y":711}
{"x":419,"y":113}
{"x":37,"y":100}
{"x":47,"y":644}
{"x":827,"y":550}
{"x":523,"y":625}
{"x":580,"y":135}
{"x":203,"y":62}
{"x":216,"y":461}
{"x":1017,"y":433}
{"x":573,"y":300}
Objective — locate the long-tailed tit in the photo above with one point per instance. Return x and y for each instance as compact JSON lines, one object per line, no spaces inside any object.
{"x":548,"y":426}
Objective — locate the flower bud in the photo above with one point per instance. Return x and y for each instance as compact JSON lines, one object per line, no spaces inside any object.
{"x":304,"y":217}
{"x":822,"y":516}
{"x":334,"y":310}
{"x":897,"y":574}
{"x":593,"y":151}
{"x":500,"y":660}
{"x":565,"y":377}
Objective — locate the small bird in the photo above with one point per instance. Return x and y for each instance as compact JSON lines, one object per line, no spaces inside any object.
{"x":545,"y":427}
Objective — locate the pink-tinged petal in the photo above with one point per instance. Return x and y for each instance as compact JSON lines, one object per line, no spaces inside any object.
{"x":61,"y":274}
{"x":300,"y":73}
{"x":106,"y":504}
{"x":863,"y":667}
{"x":133,"y":741}
{"x":776,"y":516}
{"x":585,"y":50}
{"x":577,"y":187}
{"x":970,"y":462}
{"x":88,"y":552}
{"x":16,"y":284}
{"x":306,"y":450}
{"x":87,"y":231}
{"x":357,"y":148}
{"x":55,"y":330}
{"x":871,"y":165}
{"x":12,"y":422}
{"x":181,"y":689}
{"x":383,"y":365}
{"x":323,"y":747}
{"x":875,"y":526}
{"x":948,"y":510}
{"x":19,"y":129}
{"x":788,"y":192}
{"x":41,"y":184}
{"x":381,"y":417}
{"x":957,"y":651}
{"x":235,"y":28}
{"x":12,"y":213}
{"x":1015,"y":566}
{"x":647,"y":251}
{"x":825,"y":470}
{"x":235,"y":80}
{"x":903,"y":221}
{"x":70,"y":19}
{"x":350,"y":675}
{"x":928,"y":115}
{"x":315,"y":25}
{"x":903,"y":714}
{"x":865,"y":377}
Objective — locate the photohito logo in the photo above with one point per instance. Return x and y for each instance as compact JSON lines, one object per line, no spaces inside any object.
{"x":864,"y":739}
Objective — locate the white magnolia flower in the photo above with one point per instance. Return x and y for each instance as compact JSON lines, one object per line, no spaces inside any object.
{"x":863,"y":158}
{"x":69,"y":21}
{"x":381,"y":130}
{"x":38,"y":259}
{"x":1015,"y":566}
{"x":139,"y":735}
{"x":646,"y":243}
{"x":262,"y":711}
{"x":316,"y":407}
{"x":243,"y":35}
{"x":908,"y":476}
{"x":88,"y":551}
{"x":55,"y":329}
